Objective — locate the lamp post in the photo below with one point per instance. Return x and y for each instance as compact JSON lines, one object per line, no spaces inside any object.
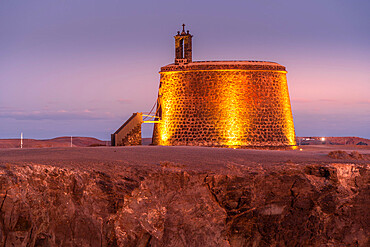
{"x":323,"y":140}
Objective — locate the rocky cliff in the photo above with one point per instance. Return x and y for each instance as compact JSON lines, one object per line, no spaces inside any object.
{"x":170,"y":204}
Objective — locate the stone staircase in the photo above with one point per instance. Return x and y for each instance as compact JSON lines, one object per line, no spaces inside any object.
{"x":129,"y":134}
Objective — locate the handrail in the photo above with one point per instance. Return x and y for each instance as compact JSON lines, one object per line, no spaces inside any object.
{"x":152,"y":121}
{"x":150,"y":116}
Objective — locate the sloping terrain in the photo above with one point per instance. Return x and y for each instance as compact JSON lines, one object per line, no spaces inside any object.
{"x":55,"y":142}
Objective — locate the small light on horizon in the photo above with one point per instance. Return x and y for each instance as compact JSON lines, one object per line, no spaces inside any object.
{"x":323,"y":139}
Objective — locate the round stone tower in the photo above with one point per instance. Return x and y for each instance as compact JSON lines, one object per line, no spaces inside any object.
{"x":222,"y":103}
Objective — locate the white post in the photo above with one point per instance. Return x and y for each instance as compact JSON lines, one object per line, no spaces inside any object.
{"x":71,"y":141}
{"x":21,"y":139}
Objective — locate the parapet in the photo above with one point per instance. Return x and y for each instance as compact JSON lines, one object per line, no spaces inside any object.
{"x":225,"y":65}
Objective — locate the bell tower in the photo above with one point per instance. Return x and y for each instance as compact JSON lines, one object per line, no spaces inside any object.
{"x":183,"y":47}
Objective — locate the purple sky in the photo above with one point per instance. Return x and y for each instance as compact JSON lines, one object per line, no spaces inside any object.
{"x":83,"y":67}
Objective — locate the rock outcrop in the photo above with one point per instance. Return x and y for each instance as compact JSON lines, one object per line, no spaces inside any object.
{"x":174,"y":205}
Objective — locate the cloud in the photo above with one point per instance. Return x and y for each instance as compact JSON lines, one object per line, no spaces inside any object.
{"x":328,"y":100}
{"x":53,"y":115}
{"x":124,"y":101}
{"x":319,"y":124}
{"x":7,"y":108}
{"x":336,"y":101}
{"x":301,"y":101}
{"x":364,"y":102}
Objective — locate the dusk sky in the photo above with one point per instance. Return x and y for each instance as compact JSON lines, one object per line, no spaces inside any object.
{"x":82,"y":67}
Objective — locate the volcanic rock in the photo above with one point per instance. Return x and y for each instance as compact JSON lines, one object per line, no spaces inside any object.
{"x":174,"y":204}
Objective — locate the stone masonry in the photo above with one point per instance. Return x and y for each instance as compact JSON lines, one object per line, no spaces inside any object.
{"x":183,"y":47}
{"x":129,"y":134}
{"x":224,"y":103}
{"x":133,"y":138}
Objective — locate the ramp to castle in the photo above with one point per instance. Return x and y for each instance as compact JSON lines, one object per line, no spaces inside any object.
{"x":129,"y":133}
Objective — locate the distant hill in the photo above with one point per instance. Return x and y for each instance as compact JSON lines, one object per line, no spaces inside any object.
{"x":329,"y":140}
{"x":65,"y":141}
{"x":55,"y":142}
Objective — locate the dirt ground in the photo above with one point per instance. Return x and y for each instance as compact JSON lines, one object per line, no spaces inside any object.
{"x":195,"y":157}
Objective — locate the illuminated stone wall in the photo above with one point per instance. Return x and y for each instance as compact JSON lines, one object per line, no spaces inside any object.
{"x":239,"y":103}
{"x":133,"y":138}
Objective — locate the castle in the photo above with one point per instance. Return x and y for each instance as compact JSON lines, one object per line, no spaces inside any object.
{"x":219,"y":103}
